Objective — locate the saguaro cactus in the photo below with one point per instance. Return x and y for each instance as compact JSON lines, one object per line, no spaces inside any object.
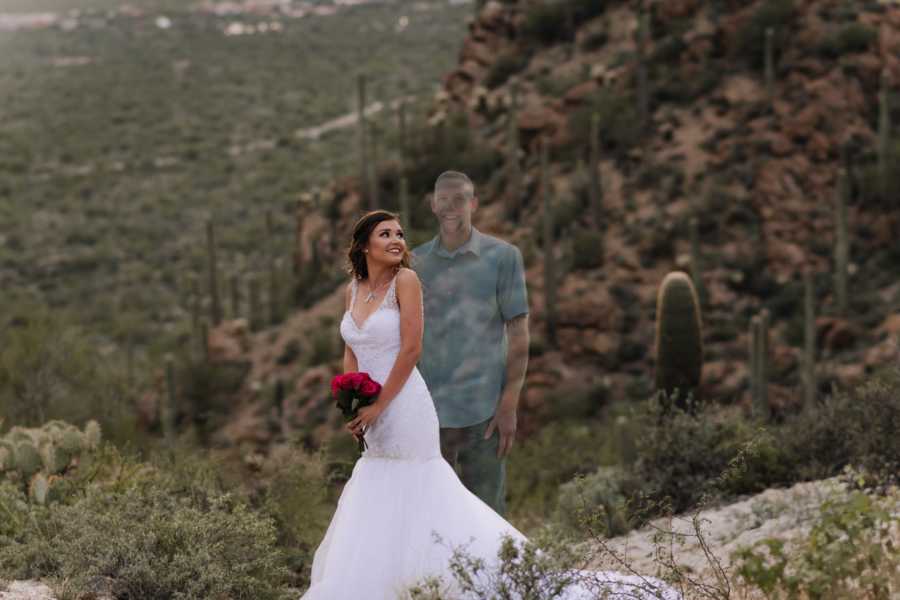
{"x":363,"y":141}
{"x":274,"y":295}
{"x":841,"y":242}
{"x":514,"y":170}
{"x":549,"y":258}
{"x":404,"y":203}
{"x":809,"y":342}
{"x":759,"y":361}
{"x":679,"y":341}
{"x":216,"y":305}
{"x":372,"y":176}
{"x":884,"y":134}
{"x":401,"y":125}
{"x":769,"y":60}
{"x":696,"y":262}
{"x":235,"y":294}
{"x":643,"y":87}
{"x":595,"y":188}
{"x":253,"y":299}
{"x":167,"y":414}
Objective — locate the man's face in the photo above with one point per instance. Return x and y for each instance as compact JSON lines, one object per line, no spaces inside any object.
{"x":453,"y":205}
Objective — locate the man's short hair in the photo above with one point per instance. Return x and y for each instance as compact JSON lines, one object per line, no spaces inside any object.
{"x":455,"y":178}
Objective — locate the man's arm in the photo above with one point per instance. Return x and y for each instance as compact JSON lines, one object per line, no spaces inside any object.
{"x":516,"y":362}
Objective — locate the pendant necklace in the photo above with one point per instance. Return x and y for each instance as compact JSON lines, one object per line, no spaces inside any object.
{"x":372,"y":292}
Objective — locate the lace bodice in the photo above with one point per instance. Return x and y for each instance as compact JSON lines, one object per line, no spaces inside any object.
{"x":408,"y":427}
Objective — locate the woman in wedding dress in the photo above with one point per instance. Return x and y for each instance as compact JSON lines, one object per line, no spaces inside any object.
{"x":379,"y":541}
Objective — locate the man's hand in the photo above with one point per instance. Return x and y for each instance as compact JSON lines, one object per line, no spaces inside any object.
{"x":504,"y":421}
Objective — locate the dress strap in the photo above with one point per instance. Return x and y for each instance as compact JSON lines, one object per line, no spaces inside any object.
{"x":353,"y":285}
{"x":390,"y":297}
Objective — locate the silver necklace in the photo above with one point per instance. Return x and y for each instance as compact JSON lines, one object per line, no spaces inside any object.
{"x":371,"y":294}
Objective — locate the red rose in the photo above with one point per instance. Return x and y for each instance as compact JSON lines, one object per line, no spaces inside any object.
{"x":336,"y":385}
{"x":354,"y":380}
{"x":370,"y":388}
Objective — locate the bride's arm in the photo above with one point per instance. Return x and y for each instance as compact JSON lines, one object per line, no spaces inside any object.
{"x":409,"y":297}
{"x":350,"y":362}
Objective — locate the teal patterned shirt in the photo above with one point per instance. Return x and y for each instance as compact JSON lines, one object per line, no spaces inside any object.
{"x":468,"y":296}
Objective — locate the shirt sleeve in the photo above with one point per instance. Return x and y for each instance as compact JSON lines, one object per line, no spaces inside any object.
{"x":512,"y":294}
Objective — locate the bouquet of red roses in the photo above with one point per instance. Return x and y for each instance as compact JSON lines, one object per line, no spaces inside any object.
{"x":352,"y":391}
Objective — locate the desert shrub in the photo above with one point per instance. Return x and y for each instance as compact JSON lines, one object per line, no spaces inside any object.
{"x":683,"y":460}
{"x":778,"y":14}
{"x":855,"y":427}
{"x":553,"y":456}
{"x":178,"y":524}
{"x":49,"y":369}
{"x":301,"y":502}
{"x":548,"y":22}
{"x":537,"y":569}
{"x":600,"y":496}
{"x":205,"y":391}
{"x":179,"y":549}
{"x":849,"y":553}
{"x":290,"y":353}
{"x":595,"y":40}
{"x":587,"y":246}
{"x":871,"y":189}
{"x":618,"y":121}
{"x":852,"y":37}
{"x":435,"y":149}
{"x":506,"y":65}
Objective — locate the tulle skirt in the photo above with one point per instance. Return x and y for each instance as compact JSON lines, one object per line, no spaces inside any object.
{"x":381,"y":539}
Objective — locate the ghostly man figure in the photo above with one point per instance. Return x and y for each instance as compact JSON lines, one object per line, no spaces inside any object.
{"x":475,"y":339}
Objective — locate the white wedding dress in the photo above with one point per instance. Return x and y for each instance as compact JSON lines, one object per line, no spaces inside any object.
{"x":379,"y":541}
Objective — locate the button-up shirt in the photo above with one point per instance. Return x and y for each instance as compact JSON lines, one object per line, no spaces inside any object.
{"x":468,"y":295}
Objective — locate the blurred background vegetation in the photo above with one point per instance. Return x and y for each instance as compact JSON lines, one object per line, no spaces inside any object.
{"x":125,"y":130}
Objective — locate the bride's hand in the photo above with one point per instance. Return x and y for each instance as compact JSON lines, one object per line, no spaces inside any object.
{"x":365,"y":416}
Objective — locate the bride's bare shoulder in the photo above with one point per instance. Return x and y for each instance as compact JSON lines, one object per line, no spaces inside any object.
{"x":406,"y":276}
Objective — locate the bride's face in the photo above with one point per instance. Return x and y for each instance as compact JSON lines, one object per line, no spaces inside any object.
{"x":386,"y":243}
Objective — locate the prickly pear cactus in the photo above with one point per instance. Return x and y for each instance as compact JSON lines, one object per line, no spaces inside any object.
{"x":36,"y":457}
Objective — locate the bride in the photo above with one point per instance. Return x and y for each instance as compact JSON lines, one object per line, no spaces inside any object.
{"x":379,"y":541}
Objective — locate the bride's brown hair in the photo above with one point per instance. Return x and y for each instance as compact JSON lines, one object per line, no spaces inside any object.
{"x":356,"y":257}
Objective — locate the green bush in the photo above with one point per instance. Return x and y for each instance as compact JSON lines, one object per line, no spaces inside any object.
{"x":618,"y":123}
{"x":598,"y":496}
{"x":506,"y":65}
{"x":778,"y":14}
{"x":203,"y":533}
{"x":587,"y":249}
{"x":205,"y":391}
{"x":556,"y":454}
{"x":855,"y":427}
{"x":301,"y":501}
{"x":850,"y":38}
{"x":848,"y":553}
{"x":872,"y":192}
{"x":548,"y":22}
{"x":179,"y":549}
{"x":49,"y":369}
{"x":433,"y":150}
